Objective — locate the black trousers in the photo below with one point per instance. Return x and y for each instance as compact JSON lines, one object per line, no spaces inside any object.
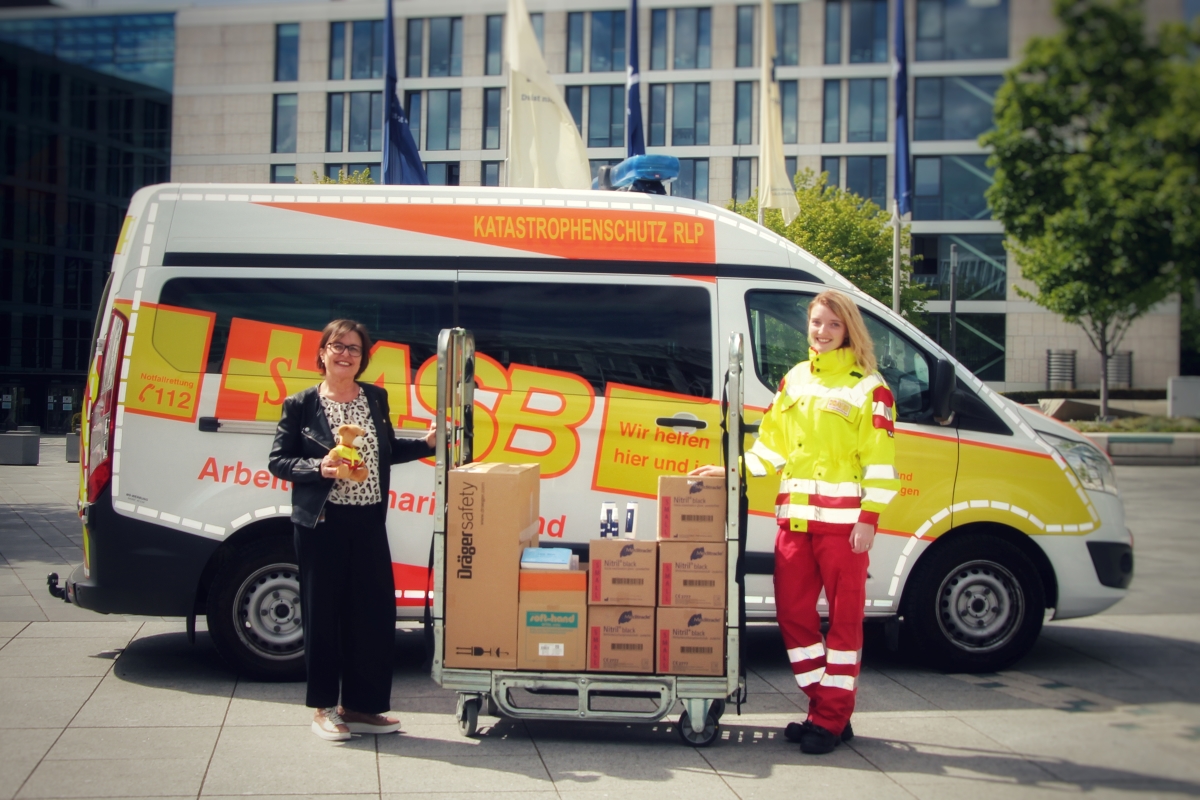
{"x":348,"y":598}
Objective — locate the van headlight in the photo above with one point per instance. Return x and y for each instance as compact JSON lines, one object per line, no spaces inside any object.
{"x":1087,"y":462}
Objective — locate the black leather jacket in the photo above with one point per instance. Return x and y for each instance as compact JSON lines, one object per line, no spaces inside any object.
{"x":304,"y":437}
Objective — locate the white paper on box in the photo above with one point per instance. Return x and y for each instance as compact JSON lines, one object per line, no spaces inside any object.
{"x":551,"y":649}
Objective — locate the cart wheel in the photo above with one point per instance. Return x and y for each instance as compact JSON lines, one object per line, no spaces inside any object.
{"x":717,"y":710}
{"x":701,"y":738}
{"x":492,"y":709}
{"x":468,"y":717}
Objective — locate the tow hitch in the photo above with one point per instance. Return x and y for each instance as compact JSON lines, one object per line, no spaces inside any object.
{"x":58,"y":591}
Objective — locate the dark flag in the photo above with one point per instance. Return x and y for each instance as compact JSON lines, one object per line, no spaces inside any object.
{"x":900,"y":71}
{"x":635,"y":139}
{"x":401,"y":157}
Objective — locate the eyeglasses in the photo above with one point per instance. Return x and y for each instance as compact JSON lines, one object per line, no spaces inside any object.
{"x":337,"y":348}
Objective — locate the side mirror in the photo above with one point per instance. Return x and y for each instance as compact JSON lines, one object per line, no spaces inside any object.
{"x":943,"y":391}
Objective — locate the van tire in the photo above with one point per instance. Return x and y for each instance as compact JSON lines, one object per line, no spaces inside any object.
{"x":974,"y":604}
{"x":253,"y":613}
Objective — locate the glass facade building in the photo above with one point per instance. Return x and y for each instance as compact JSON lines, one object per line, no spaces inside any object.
{"x":85,"y":120}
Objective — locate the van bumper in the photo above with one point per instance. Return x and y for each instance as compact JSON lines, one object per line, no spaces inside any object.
{"x":1093,"y":570}
{"x":137,"y":567}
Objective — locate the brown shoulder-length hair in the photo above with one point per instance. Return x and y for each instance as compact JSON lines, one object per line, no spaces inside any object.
{"x":336,"y":329}
{"x":857,"y":338}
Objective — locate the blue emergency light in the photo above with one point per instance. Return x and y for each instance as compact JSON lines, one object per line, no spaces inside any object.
{"x":645,"y":173}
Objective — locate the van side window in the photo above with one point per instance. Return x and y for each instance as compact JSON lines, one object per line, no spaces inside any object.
{"x":652,"y":337}
{"x":404,"y":312}
{"x":779,"y":341}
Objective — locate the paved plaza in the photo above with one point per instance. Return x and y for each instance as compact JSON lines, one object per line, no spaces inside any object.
{"x":101,"y":706}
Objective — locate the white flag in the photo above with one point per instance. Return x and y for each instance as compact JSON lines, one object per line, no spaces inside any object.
{"x":545,"y":150}
{"x":775,"y":189}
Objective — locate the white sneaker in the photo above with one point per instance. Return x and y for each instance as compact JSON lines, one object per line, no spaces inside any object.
{"x":329,"y":725}
{"x":370,"y":723}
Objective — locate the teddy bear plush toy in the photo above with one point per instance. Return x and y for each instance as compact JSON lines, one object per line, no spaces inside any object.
{"x":352,"y":467}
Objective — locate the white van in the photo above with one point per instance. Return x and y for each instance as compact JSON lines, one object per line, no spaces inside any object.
{"x":601,"y":321}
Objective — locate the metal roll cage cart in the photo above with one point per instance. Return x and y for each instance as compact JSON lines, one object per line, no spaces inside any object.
{"x":703,"y":698}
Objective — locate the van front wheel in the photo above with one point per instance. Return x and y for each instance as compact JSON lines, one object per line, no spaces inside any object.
{"x":975,"y":604}
{"x":254,"y":614}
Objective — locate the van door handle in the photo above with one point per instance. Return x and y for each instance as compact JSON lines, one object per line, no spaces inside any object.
{"x":681,"y":422}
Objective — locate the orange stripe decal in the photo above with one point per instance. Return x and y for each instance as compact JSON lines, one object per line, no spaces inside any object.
{"x":591,"y":233}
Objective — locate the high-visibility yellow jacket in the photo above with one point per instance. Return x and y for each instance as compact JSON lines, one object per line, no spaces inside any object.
{"x":830,"y":431}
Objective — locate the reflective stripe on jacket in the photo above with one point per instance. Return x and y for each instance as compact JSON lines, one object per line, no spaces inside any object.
{"x":830,"y":431}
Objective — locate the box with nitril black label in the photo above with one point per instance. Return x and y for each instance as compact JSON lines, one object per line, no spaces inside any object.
{"x":691,"y":574}
{"x":690,"y":641}
{"x":492,"y":515}
{"x":620,"y":639}
{"x":622,"y":572}
{"x":552,"y":633}
{"x":691,"y":509}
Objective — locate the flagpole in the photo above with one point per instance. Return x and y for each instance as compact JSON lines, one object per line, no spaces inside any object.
{"x":896,"y":256}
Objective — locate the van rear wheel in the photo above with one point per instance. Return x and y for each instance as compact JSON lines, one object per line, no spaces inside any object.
{"x":975,"y":604}
{"x":254,"y":615}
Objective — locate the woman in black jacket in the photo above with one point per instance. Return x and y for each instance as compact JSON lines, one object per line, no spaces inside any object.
{"x":347,"y":593}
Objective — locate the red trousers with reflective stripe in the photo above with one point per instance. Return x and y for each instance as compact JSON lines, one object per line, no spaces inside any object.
{"x":826,"y":670}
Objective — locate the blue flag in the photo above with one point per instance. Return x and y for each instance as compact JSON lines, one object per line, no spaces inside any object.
{"x":635,"y":139}
{"x":401,"y":156}
{"x":900,"y":71}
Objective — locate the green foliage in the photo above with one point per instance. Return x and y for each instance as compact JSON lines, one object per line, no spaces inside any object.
{"x":1080,"y":169}
{"x":359,"y":177}
{"x":851,"y":235}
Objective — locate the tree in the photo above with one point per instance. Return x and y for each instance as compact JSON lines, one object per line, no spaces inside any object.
{"x":851,"y":235}
{"x":1079,"y":170}
{"x":358,"y":177}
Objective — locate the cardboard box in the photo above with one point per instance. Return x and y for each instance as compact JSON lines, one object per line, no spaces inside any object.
{"x":692,"y":574}
{"x":691,"y":509}
{"x":620,"y":639}
{"x":492,"y":516}
{"x":552,"y":634}
{"x":691,"y":641}
{"x":622,"y":572}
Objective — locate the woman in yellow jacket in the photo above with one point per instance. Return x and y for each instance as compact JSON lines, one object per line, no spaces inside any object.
{"x":829,"y":432}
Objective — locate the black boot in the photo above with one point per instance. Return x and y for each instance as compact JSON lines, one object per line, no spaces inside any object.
{"x":796,"y":730}
{"x":818,"y":741}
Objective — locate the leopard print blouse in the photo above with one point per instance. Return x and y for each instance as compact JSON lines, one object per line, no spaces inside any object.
{"x":356,"y":412}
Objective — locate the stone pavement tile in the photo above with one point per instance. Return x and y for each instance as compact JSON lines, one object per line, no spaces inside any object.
{"x":10,"y":584}
{"x":11,"y":629}
{"x":268,"y":704}
{"x":66,"y":648}
{"x":1082,"y":748}
{"x":444,"y":704}
{"x":115,"y":778}
{"x":408,"y":684}
{"x":41,"y":667}
{"x":472,"y":795}
{"x":495,"y":738}
{"x":712,"y":787}
{"x":290,"y":760}
{"x":816,"y":778}
{"x":22,"y":750}
{"x":120,"y":704}
{"x":82,"y":744}
{"x":489,"y":776}
{"x":45,"y":702}
{"x":959,"y":788}
{"x":22,"y":614}
{"x":879,"y":691}
{"x":17,"y":600}
{"x":100,"y":626}
{"x":914,"y":751}
{"x":56,"y":610}
{"x":604,"y":758}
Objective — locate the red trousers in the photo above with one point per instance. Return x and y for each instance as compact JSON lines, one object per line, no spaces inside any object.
{"x":826,"y":669}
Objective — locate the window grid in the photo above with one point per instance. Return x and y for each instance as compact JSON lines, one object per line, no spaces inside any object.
{"x":491,"y":118}
{"x":745,"y":36}
{"x":287,"y":51}
{"x":868,"y":31}
{"x":743,"y":112}
{"x":690,"y":117}
{"x":693,"y":38}
{"x":831,"y":129}
{"x":337,"y":51}
{"x":493,"y":60}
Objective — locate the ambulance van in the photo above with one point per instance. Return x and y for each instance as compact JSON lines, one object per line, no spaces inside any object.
{"x":602,"y":322}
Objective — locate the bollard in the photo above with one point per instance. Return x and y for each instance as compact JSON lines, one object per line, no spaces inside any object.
{"x":21,"y":449}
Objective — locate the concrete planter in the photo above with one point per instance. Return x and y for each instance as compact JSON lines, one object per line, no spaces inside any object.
{"x":72,"y":448}
{"x":1150,"y":449}
{"x":20,"y":449}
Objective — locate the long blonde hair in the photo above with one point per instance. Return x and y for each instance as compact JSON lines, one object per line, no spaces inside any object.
{"x":857,"y":338}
